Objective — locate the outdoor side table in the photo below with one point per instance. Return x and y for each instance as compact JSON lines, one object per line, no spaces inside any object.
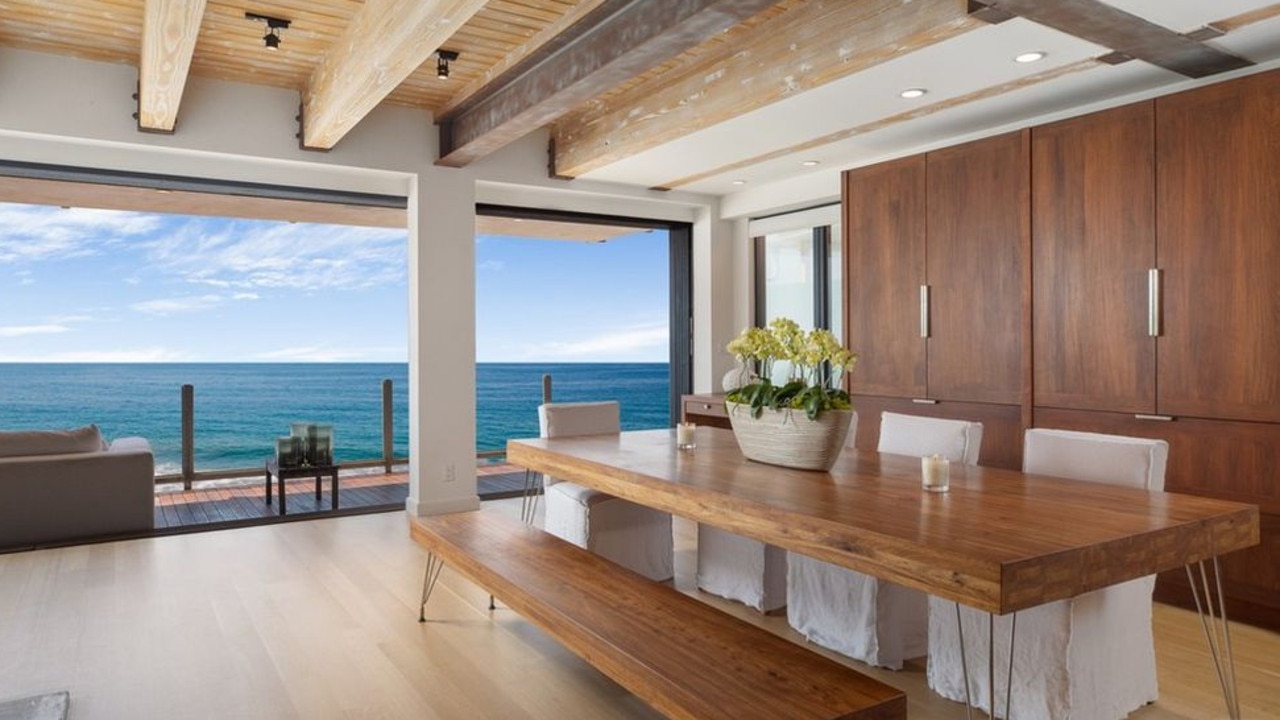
{"x":316,"y":471}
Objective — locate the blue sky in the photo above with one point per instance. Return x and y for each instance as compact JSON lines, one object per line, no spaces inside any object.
{"x":80,"y":285}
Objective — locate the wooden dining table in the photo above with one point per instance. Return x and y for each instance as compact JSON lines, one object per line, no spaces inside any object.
{"x":999,"y":541}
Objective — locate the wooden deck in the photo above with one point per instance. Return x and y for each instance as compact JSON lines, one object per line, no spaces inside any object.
{"x":224,"y":504}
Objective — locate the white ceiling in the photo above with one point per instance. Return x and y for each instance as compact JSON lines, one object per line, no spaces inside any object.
{"x":970,"y":63}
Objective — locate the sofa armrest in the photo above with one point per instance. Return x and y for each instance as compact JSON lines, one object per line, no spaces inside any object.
{"x":130,"y":444}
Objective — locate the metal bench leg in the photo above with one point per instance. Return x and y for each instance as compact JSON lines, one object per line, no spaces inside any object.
{"x":429,"y":578}
{"x":529,"y":505}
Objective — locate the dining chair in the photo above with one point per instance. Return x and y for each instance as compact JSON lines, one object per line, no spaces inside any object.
{"x":628,"y":534}
{"x":1092,"y":656}
{"x":746,"y":570}
{"x":876,"y":621}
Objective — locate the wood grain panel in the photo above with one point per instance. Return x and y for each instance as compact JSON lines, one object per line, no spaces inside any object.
{"x":706,"y":410}
{"x":1001,"y":540}
{"x":1093,"y":212}
{"x":884,"y":227}
{"x":978,"y":225}
{"x":1001,"y":425}
{"x":169,"y":36}
{"x":1218,"y":224}
{"x":1251,"y":580}
{"x":666,"y":647}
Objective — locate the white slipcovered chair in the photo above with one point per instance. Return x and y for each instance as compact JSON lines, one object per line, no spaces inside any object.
{"x":876,"y":621}
{"x":631,"y":535}
{"x":746,"y":570}
{"x":1089,"y":657}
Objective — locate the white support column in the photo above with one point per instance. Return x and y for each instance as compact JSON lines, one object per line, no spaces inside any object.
{"x":442,"y":346}
{"x":715,"y":293}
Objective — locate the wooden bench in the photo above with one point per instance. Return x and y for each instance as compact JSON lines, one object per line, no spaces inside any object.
{"x":682,"y":656}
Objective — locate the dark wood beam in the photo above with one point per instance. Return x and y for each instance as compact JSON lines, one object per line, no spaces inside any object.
{"x":616,"y":42}
{"x":1131,"y":35}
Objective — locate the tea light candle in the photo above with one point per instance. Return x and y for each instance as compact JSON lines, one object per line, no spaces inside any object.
{"x":935,"y":472}
{"x":684,"y":435}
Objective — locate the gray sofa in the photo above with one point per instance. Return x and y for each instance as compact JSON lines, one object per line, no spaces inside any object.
{"x":66,"y":485}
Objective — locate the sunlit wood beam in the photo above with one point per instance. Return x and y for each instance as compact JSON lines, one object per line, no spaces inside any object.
{"x":169,"y":32}
{"x":803,"y":48}
{"x":616,"y":42}
{"x":386,"y":41}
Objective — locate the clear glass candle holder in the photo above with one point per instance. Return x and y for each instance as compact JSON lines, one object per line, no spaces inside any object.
{"x":935,"y":473}
{"x":684,"y":436}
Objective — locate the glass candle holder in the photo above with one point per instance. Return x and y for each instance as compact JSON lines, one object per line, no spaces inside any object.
{"x":935,"y":473}
{"x":684,"y":436}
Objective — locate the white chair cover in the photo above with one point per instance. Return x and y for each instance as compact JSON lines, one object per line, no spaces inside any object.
{"x":746,"y":570}
{"x":875,"y":621}
{"x":631,"y":535}
{"x":1089,"y":657}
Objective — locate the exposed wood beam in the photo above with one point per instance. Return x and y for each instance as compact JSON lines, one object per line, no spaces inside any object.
{"x":1131,"y":35}
{"x":624,"y":38}
{"x":169,"y":32}
{"x":386,"y":41}
{"x":803,"y":48}
{"x":515,"y":60}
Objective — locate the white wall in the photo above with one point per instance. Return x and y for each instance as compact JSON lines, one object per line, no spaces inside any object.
{"x":66,"y":111}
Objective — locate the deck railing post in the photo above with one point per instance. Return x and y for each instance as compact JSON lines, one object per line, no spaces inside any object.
{"x":188,"y":435}
{"x":388,"y":426}
{"x":546,"y":388}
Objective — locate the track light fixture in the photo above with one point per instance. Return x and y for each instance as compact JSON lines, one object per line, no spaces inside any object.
{"x":274,"y":25}
{"x":443,"y":58}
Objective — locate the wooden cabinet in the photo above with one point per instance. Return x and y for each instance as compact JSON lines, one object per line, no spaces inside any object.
{"x":1218,"y":224}
{"x":705,"y":409}
{"x":884,"y":226}
{"x":976,"y":249}
{"x":956,"y":221}
{"x":1093,"y":244}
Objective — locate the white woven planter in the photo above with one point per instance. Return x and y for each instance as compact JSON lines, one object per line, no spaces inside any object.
{"x":788,"y":437}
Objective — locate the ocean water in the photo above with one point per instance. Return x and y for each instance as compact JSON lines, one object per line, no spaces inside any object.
{"x":241,"y":408}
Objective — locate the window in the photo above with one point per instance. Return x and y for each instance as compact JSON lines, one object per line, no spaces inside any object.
{"x":799,"y":269}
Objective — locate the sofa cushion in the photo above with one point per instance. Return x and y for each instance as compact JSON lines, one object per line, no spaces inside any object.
{"x":20,"y":443}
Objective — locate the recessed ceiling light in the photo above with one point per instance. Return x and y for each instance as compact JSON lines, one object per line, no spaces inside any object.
{"x":739,"y":182}
{"x":911,"y":93}
{"x":1030,"y":57}
{"x":811,"y":163}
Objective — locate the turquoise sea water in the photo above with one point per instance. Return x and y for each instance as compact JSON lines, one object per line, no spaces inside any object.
{"x":241,"y":408}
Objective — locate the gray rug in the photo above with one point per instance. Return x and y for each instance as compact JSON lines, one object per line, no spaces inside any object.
{"x":52,"y":706}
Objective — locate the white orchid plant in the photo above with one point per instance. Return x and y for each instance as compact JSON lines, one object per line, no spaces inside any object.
{"x":817,"y":365}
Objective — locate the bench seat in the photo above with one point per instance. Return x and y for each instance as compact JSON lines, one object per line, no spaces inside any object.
{"x":683,"y":657}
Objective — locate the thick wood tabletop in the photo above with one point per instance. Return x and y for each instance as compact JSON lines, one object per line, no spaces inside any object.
{"x":999,"y":541}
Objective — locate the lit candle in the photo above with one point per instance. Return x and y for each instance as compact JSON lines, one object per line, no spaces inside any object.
{"x":684,"y":435}
{"x":935,"y":472}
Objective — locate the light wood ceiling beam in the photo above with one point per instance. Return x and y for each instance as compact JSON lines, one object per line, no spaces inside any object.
{"x":169,"y":32}
{"x":1134,"y":36}
{"x":386,"y":41}
{"x":619,"y":40}
{"x":806,"y":47}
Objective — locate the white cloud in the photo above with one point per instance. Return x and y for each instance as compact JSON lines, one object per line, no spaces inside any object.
{"x":13,"y":331}
{"x":244,"y":296}
{"x":170,"y":306}
{"x":319,"y":354}
{"x":33,"y":233}
{"x":491,"y":266}
{"x":627,"y":343}
{"x":300,"y":256}
{"x":141,"y":355}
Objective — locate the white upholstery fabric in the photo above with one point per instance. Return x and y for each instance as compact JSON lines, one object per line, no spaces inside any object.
{"x":1089,"y":657}
{"x":872,"y":620}
{"x":631,"y":535}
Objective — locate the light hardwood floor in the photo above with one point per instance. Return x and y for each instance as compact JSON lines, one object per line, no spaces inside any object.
{"x":318,"y":620}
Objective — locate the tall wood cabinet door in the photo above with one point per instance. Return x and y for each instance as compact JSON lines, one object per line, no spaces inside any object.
{"x":884,"y":226}
{"x":1093,"y":210}
{"x":978,"y":197}
{"x":1218,"y":224}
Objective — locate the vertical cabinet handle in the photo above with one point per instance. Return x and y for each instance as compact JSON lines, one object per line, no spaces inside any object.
{"x":1153,"y":303}
{"x":924,"y":311}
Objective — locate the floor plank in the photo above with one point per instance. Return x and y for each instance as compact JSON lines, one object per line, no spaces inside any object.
{"x":317,"y":619}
